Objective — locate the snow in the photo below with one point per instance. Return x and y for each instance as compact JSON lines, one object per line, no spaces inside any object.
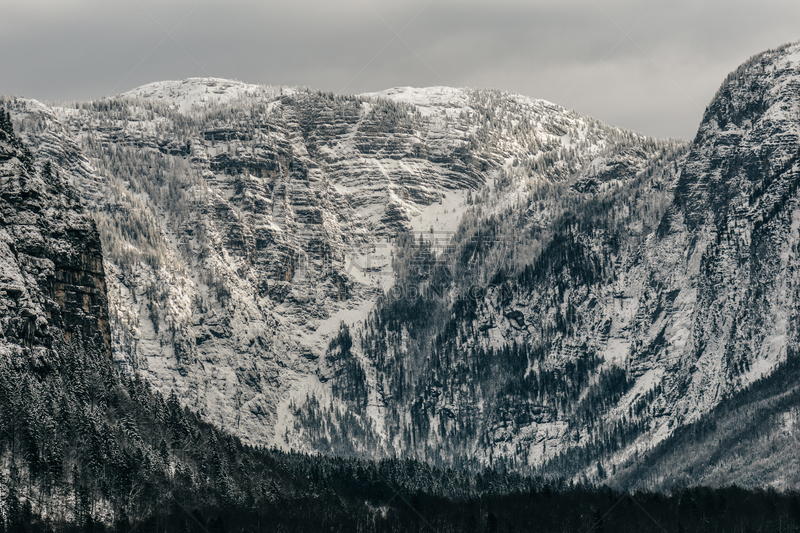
{"x":305,"y":387}
{"x":790,"y":58}
{"x":186,"y":95}
{"x":617,"y":351}
{"x":328,"y":328}
{"x":279,"y":344}
{"x":426,"y":99}
{"x":372,"y":266}
{"x":431,"y":100}
{"x":441,"y":217}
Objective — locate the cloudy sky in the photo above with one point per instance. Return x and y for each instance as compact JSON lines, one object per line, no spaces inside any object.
{"x":649,"y":65}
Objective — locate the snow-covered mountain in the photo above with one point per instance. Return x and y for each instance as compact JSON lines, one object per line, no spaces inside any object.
{"x":616,"y":312}
{"x":463,"y":276}
{"x":242,"y":223}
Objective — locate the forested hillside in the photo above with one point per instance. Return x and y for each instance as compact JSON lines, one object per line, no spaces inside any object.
{"x":575,"y":328}
{"x":243,"y":224}
{"x":467,"y":278}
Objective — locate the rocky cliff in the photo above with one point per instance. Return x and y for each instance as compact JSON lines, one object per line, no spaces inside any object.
{"x":242,"y":223}
{"x":52,"y":283}
{"x":518,"y":284}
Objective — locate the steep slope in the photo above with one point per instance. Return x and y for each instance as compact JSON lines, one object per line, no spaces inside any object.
{"x":750,"y":439}
{"x":51,"y":275}
{"x":243,"y":223}
{"x":602,"y":316}
{"x":737,"y":198}
{"x":83,"y":448}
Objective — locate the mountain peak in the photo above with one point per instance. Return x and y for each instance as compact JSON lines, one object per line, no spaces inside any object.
{"x":748,"y":139}
{"x":199,"y":92}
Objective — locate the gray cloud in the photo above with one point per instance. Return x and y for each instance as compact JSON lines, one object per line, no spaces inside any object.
{"x":576,"y":53}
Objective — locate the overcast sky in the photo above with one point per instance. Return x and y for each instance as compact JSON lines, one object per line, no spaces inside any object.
{"x":648,"y":65}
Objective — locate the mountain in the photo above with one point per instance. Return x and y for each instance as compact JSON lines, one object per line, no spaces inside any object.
{"x":84,"y":447}
{"x":242,"y":224}
{"x":633,"y":313}
{"x":737,"y":199}
{"x":636,"y":313}
{"x":470,"y":278}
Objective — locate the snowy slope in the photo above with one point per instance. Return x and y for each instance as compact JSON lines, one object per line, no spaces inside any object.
{"x":647,"y":292}
{"x":242,"y":223}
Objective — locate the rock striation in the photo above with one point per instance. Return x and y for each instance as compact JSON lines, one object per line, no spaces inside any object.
{"x":52,"y":283}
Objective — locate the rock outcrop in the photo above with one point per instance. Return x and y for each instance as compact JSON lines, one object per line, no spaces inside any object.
{"x":241,"y":224}
{"x":52,"y":283}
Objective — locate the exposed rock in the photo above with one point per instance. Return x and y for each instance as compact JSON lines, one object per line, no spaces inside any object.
{"x":52,"y":283}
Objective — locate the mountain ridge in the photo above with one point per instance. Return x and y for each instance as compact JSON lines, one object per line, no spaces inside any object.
{"x":694,"y":313}
{"x":617,"y":287}
{"x":305,"y":194}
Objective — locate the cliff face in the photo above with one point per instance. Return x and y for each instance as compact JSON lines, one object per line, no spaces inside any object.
{"x":737,"y":202}
{"x":609,"y":315}
{"x":563,"y":293}
{"x":52,"y":284}
{"x":241,"y":224}
{"x":56,"y":371}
